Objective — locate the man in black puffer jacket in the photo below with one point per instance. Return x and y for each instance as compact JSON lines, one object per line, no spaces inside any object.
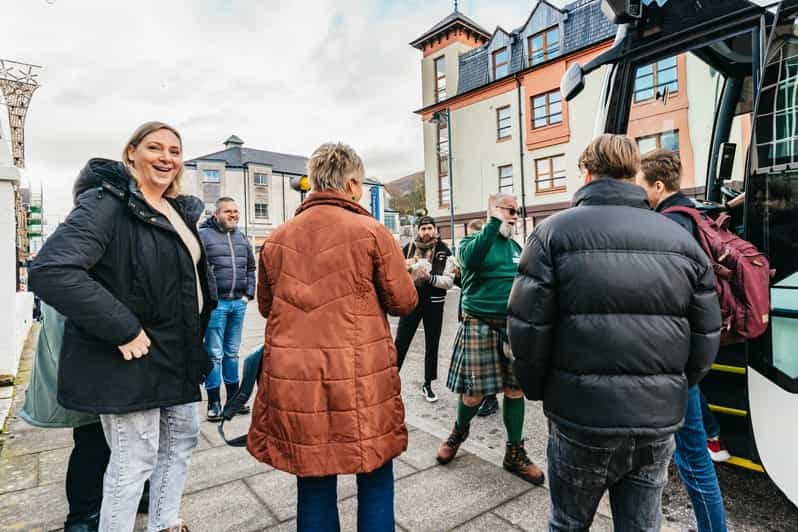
{"x":233,"y":266}
{"x":612,"y":317}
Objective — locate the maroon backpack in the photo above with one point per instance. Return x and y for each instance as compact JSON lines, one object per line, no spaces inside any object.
{"x":742,"y":277}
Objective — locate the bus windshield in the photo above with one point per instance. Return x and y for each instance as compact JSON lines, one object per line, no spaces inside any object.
{"x":678,"y":101}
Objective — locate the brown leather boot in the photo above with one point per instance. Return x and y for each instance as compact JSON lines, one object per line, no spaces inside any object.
{"x":179,"y":527}
{"x":448,"y":447}
{"x":518,"y":463}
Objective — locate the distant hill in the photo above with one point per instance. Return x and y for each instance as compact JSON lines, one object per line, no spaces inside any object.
{"x":407,"y":193}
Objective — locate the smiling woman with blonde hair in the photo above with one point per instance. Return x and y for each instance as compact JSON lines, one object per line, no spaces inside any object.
{"x":127,"y":270}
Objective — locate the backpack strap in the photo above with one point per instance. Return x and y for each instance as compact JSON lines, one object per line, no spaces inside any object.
{"x":701,"y":222}
{"x":252,"y":368}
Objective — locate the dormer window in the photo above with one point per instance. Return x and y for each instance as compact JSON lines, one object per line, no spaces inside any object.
{"x":440,"y":78}
{"x":544,"y":46}
{"x":501,"y":63}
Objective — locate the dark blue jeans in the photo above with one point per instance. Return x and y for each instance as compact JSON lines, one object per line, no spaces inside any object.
{"x":696,"y":468}
{"x":583,"y":466}
{"x":317,"y":502}
{"x":223,"y":340}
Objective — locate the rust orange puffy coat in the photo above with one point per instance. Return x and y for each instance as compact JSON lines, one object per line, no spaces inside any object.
{"x":328,"y":399}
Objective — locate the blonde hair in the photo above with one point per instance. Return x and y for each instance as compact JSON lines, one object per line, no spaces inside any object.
{"x":332,"y":165}
{"x":614,"y":156}
{"x":137,"y":137}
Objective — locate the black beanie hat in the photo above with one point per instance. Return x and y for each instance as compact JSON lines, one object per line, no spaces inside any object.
{"x":426,"y":220}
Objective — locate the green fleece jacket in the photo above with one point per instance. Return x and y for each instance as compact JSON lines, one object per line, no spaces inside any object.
{"x":488,"y":263}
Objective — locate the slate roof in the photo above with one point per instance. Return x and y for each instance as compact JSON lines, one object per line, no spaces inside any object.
{"x":237,"y":156}
{"x":584,"y":25}
{"x":453,"y":18}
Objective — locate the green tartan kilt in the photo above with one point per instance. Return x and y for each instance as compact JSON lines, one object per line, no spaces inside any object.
{"x":480,"y":360}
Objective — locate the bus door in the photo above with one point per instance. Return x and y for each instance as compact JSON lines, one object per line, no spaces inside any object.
{"x":771,"y":216}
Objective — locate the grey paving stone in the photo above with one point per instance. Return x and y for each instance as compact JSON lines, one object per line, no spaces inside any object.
{"x":202,"y":444}
{"x":278,"y":490}
{"x":42,"y":508}
{"x":530,"y":512}
{"x":18,"y":472}
{"x":53,"y":466}
{"x":220,"y":465}
{"x":402,"y":469}
{"x":230,"y":507}
{"x":422,"y":449}
{"x":347,"y":515}
{"x":486,"y":523}
{"x":443,"y":497}
{"x":36,"y":441}
{"x":235,"y":427}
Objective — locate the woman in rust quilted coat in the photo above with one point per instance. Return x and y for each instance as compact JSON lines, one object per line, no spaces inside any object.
{"x":328,"y":398}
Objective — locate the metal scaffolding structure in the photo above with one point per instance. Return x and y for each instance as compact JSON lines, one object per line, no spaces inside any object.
{"x":18,"y":83}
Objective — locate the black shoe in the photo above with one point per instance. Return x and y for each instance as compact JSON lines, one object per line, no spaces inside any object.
{"x":144,"y":502}
{"x":489,"y":406}
{"x":87,"y":524}
{"x":214,"y":411}
{"x":428,"y":394}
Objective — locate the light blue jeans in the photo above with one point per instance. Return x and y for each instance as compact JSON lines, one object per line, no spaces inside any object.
{"x":223,"y":340}
{"x":696,"y":467}
{"x":153,"y":444}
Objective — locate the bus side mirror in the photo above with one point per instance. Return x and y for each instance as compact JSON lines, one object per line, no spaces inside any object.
{"x":622,"y":11}
{"x":572,"y":82}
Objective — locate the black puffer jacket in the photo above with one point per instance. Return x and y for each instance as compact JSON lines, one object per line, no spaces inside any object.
{"x":231,"y":260}
{"x":613,"y":314}
{"x":113,"y":267}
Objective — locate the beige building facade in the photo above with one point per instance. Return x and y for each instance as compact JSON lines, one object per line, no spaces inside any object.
{"x":258,"y":180}
{"x":496,"y":114}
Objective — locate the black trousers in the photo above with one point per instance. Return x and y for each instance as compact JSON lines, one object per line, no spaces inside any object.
{"x":84,"y":478}
{"x":432,"y":316}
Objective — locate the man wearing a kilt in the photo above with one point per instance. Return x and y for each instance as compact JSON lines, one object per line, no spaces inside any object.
{"x":481,"y":359}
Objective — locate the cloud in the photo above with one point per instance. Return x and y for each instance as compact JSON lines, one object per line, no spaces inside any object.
{"x":284,"y":76}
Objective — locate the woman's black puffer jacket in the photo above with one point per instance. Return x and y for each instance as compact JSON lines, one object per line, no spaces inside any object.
{"x":113,"y":267}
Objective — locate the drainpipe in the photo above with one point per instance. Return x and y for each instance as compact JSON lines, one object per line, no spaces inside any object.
{"x":282,"y":187}
{"x":246,"y":202}
{"x":451,"y":179}
{"x":521,"y":126}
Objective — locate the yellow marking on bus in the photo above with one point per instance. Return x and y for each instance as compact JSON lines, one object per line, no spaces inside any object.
{"x":745,"y":463}
{"x":727,"y":410}
{"x":728,"y":369}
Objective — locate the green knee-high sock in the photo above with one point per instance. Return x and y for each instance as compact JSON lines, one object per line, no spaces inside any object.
{"x":465,"y":413}
{"x":513,"y":414}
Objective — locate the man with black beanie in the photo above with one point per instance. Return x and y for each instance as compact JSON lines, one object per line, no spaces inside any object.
{"x":428,"y":265}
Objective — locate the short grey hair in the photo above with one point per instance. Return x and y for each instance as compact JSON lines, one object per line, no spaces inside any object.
{"x":503,"y":195}
{"x":332,"y":165}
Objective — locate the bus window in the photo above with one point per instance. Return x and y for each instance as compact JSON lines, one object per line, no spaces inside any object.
{"x":772,"y":203}
{"x":677,"y":102}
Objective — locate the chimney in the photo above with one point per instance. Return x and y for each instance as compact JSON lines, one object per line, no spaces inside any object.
{"x":233,"y":142}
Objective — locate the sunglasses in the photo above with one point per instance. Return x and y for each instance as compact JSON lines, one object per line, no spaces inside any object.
{"x":513,"y":211}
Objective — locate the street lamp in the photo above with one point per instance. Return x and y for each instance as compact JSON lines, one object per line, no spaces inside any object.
{"x":446,"y":117}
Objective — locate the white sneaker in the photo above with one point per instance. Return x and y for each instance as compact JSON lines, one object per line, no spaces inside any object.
{"x":428,"y":394}
{"x":717,"y":451}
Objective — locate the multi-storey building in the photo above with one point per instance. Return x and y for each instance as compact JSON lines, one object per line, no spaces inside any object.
{"x":494,"y":119}
{"x":259,"y":181}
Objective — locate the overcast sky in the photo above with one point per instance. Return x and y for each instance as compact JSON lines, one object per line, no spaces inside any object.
{"x":283,"y":75}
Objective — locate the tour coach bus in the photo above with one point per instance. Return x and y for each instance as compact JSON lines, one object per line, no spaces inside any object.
{"x":717,"y":80}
